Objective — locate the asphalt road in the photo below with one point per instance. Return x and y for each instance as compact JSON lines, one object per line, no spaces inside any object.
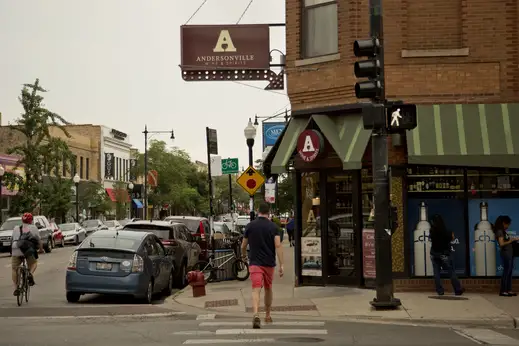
{"x":48,"y":295}
{"x":185,"y":330}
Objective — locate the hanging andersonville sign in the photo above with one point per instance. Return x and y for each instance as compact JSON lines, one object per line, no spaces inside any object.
{"x":227,"y":52}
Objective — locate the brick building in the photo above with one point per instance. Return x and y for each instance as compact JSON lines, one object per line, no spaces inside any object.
{"x":458,"y":60}
{"x":84,"y":142}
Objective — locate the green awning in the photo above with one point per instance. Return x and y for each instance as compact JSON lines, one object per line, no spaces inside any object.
{"x":484,"y":135}
{"x":346,"y":135}
{"x":287,"y":145}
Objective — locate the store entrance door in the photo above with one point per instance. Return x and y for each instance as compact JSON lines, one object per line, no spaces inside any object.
{"x":344,"y":227}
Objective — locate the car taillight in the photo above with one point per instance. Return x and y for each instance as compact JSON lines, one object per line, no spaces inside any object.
{"x":138,"y":264}
{"x":169,"y":242}
{"x":202,"y":230}
{"x":72,"y":261}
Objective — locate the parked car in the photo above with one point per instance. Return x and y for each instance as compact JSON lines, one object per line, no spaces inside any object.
{"x":178,"y":242}
{"x":92,"y":226}
{"x":6,"y":233}
{"x":200,"y":230}
{"x":112,"y":225}
{"x":127,"y":221}
{"x":119,"y":262}
{"x":43,"y":225}
{"x":242,"y":222}
{"x":40,"y":222}
{"x":223,"y":229}
{"x":57,"y":235}
{"x":73,"y":233}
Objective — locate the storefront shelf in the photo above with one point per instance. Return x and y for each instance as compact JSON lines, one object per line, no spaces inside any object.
{"x":443,"y":191}
{"x":493,"y":175}
{"x":496,"y":191}
{"x":434,"y":175}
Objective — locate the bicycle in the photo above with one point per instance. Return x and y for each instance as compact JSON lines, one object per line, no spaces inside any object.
{"x":209,"y":269}
{"x":23,"y":283}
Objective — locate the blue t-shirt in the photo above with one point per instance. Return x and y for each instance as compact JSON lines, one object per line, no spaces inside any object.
{"x":261,"y":235}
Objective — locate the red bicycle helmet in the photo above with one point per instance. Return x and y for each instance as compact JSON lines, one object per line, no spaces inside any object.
{"x":27,"y":218}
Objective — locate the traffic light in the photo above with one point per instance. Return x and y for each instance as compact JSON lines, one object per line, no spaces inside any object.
{"x":370,"y":68}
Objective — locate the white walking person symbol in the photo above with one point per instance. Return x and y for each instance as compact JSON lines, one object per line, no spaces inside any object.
{"x":395,"y":116}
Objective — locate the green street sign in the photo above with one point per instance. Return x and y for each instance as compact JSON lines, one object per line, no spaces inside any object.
{"x":229,"y":166}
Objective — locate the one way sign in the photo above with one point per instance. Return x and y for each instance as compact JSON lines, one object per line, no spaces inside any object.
{"x":401,"y":117}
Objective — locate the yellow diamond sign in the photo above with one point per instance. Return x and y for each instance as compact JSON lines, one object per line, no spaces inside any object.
{"x":250,"y":180}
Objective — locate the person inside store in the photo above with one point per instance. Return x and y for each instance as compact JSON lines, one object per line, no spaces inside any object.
{"x":506,"y":250}
{"x":441,"y":255}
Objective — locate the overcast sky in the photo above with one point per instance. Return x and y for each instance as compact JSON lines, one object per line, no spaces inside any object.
{"x":115,"y":63}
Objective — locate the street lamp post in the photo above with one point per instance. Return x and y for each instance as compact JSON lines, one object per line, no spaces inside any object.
{"x":76,"y":180}
{"x":130,"y":191}
{"x":146,"y":132}
{"x":2,"y":172}
{"x":250,"y":134}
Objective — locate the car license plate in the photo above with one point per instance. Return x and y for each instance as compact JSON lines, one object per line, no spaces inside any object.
{"x":104,"y":266}
{"x":7,"y":243}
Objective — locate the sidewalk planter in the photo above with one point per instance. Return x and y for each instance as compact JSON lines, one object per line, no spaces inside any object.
{"x":463,"y":169}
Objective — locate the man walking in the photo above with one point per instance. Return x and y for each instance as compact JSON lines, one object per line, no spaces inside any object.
{"x":264,"y":242}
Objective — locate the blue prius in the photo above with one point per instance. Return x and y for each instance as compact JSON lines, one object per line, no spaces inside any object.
{"x":120,"y":262}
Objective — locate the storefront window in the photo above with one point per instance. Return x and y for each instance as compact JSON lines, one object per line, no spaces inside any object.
{"x":341,"y":234}
{"x":491,"y":193}
{"x":435,"y":191}
{"x":311,"y":258}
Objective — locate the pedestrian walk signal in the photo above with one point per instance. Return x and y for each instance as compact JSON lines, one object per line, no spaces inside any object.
{"x":401,"y":117}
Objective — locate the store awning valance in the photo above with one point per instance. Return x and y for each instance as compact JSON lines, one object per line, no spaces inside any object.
{"x":346,"y":135}
{"x":480,"y":135}
{"x":288,"y":143}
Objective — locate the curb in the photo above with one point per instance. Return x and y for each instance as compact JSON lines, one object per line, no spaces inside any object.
{"x":98,"y":317}
{"x":507,"y":322}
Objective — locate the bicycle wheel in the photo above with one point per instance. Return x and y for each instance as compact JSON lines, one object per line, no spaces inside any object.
{"x":19,"y":286}
{"x":27,"y":287}
{"x":206,"y":268}
{"x":240,"y":270}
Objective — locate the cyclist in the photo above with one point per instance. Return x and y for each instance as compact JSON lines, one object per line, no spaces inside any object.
{"x":26,"y":244}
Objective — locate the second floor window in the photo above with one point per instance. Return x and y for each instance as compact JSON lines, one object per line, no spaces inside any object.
{"x":81,"y":167}
{"x":87,"y":168}
{"x":319,"y":28}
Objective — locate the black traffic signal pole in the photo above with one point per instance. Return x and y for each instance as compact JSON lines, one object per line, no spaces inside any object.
{"x":210,"y":180}
{"x":383,"y":260}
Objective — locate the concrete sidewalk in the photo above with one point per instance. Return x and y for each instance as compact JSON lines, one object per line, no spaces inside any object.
{"x":336,"y":303}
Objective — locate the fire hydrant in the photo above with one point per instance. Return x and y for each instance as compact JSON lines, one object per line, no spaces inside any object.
{"x":197,"y":282}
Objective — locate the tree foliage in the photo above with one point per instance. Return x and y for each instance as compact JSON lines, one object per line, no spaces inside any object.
{"x":41,"y":154}
{"x":181,"y":184}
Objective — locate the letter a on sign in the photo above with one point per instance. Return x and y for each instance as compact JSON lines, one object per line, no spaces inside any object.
{"x":224,"y":43}
{"x":309,"y":145}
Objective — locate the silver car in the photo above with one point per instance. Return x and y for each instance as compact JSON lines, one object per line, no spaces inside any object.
{"x":73,"y":233}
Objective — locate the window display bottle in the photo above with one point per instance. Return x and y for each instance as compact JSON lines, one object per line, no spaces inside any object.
{"x":422,"y":245}
{"x":484,"y":244}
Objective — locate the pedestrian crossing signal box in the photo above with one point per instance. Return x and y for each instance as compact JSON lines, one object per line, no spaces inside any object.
{"x":401,"y":117}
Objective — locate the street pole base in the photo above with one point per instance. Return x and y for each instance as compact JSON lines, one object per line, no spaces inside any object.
{"x":391,"y":304}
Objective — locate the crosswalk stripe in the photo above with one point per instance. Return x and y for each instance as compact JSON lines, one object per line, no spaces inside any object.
{"x":226,"y":341}
{"x":271,"y":331}
{"x":487,"y":336}
{"x":194,"y":332}
{"x":275,"y":323}
{"x":206,"y":317}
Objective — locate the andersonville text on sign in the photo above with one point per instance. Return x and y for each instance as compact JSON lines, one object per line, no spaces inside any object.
{"x":211,"y":47}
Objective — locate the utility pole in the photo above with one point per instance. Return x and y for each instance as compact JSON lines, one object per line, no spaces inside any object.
{"x":145,"y":195}
{"x":375,"y":119}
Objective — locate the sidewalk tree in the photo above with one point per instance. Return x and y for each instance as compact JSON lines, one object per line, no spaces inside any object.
{"x":121,"y":200}
{"x":93,"y":197}
{"x":39,"y":151}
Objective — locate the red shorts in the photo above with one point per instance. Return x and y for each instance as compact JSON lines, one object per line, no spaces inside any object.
{"x":261,"y":276}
